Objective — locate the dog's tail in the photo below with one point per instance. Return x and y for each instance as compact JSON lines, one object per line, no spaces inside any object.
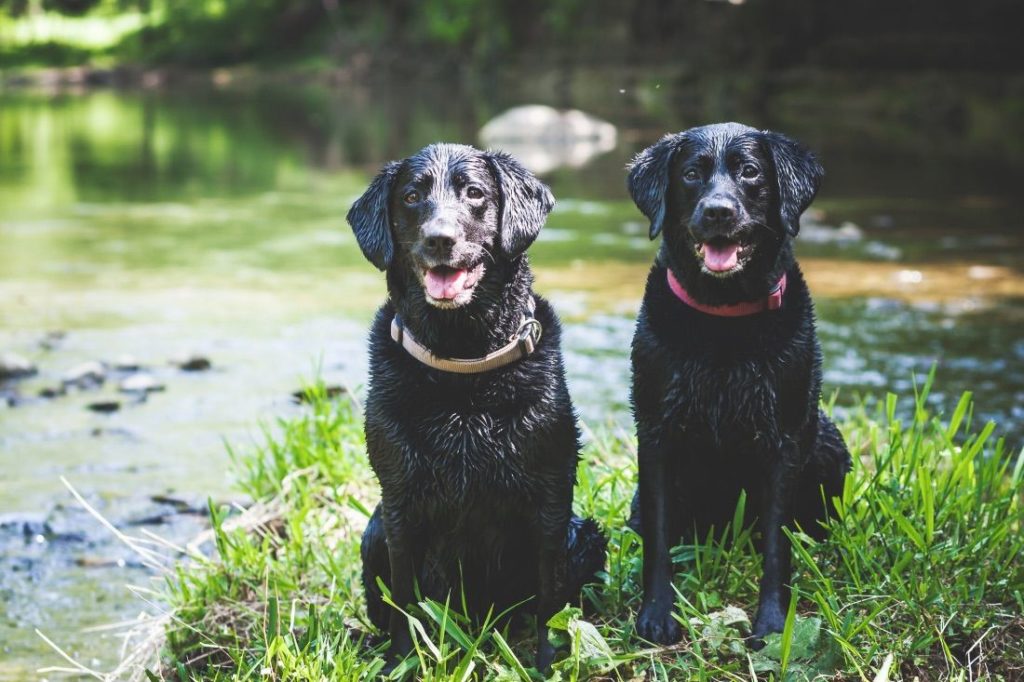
{"x":588,"y":547}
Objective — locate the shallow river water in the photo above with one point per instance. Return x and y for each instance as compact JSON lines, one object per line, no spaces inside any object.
{"x":211,"y":221}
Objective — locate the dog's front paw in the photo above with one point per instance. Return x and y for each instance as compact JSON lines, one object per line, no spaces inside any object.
{"x":656,"y":624}
{"x":401,"y":646}
{"x":769,"y":619}
{"x":545,"y":656}
{"x":390,"y":663}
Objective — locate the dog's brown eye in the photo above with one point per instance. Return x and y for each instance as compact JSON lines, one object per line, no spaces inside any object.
{"x":749,"y":171}
{"x":474,"y":192}
{"x":691,"y":175}
{"x":411,"y":197}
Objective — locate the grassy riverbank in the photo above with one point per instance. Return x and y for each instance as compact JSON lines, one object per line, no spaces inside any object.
{"x":921,"y":577}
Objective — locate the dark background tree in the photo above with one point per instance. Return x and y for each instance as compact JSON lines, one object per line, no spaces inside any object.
{"x":868,"y":34}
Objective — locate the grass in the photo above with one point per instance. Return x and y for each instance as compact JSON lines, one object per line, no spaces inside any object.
{"x":921,"y":577}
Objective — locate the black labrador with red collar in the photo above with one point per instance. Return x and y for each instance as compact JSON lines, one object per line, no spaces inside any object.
{"x":726,"y":362}
{"x":476,"y":466}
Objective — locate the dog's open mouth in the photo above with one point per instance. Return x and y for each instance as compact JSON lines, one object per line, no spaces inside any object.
{"x":720,"y":254}
{"x":446,"y":284}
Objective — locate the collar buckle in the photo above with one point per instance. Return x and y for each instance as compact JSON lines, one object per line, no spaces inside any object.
{"x":529,"y":334}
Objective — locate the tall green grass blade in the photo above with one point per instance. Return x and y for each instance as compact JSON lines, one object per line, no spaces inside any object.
{"x":787,"y":634}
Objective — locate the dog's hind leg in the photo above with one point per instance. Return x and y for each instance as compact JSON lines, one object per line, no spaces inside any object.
{"x":822,"y":479}
{"x":831,"y":457}
{"x":587,"y":548}
{"x":374,"y":552}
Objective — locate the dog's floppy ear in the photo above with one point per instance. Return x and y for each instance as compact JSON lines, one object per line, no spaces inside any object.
{"x":648,"y":179}
{"x":524,"y":202}
{"x":370,"y":220}
{"x":798,"y":176}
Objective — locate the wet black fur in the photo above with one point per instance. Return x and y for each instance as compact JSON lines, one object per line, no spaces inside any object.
{"x":724,"y":405}
{"x":477,"y":470}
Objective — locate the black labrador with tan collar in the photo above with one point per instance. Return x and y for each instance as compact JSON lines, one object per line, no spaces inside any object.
{"x":726,"y":362}
{"x":469,"y":424}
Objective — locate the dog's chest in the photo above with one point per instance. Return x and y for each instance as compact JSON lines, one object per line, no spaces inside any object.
{"x":733,"y":403}
{"x":466,"y":454}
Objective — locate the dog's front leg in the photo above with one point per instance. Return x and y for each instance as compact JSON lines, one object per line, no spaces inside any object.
{"x":553,"y":565}
{"x":777,"y":569}
{"x":405,"y":563}
{"x":655,"y":622}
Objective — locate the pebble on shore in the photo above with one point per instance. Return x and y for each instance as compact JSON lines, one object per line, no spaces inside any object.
{"x":14,"y":366}
{"x":85,"y":376}
{"x":192,"y":363}
{"x":140,"y":383}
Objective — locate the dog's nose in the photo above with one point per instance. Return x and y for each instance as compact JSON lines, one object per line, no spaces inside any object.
{"x":718,"y":211}
{"x":439,"y":237}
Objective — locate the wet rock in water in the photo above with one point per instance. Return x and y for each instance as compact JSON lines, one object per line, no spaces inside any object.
{"x":51,"y":392}
{"x":29,"y":525}
{"x":817,"y":233}
{"x":140,"y":383}
{"x":52,"y":339}
{"x":543,"y":138}
{"x":105,"y":432}
{"x":85,"y":376}
{"x":103,"y":562}
{"x":14,"y":366}
{"x":127,"y":363}
{"x":306,"y":395}
{"x":10,"y":397}
{"x":883,"y":251}
{"x":192,"y":363}
{"x":168,"y":509}
{"x":97,"y":562}
{"x":180,"y":506}
{"x":104,"y":406}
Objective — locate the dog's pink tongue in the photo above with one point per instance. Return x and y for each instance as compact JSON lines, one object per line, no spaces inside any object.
{"x":722,"y":257}
{"x":445,"y":283}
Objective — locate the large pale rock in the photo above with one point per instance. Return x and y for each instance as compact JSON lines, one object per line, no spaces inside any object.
{"x":544,"y":138}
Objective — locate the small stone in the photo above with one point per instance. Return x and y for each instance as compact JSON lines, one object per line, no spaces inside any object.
{"x":14,"y":366}
{"x":51,"y":392}
{"x":140,"y":383}
{"x":306,"y":395}
{"x":882,"y":221}
{"x":94,"y":562}
{"x":849,"y":231}
{"x":192,"y":363}
{"x":104,"y":406}
{"x":86,"y":375}
{"x":127,"y":363}
{"x":52,"y":339}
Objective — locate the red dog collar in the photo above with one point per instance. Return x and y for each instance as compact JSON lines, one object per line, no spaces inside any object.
{"x":772,"y":302}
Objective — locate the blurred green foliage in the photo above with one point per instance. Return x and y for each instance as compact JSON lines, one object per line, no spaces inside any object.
{"x":761,"y":33}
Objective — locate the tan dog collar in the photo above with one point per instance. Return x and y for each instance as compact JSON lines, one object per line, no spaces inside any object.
{"x":522,"y":344}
